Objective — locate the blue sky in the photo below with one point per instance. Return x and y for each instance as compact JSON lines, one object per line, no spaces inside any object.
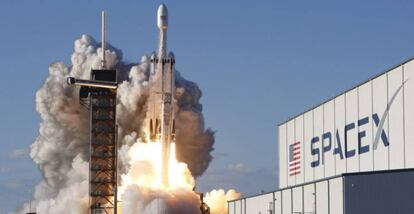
{"x":257,"y":62}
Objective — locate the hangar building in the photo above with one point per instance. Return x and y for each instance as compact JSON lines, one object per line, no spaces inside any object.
{"x":354,"y":153}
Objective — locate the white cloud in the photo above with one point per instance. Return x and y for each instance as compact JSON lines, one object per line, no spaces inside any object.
{"x":13,"y":184}
{"x":4,"y":169}
{"x":19,"y":153}
{"x":239,"y":176}
{"x":240,"y":168}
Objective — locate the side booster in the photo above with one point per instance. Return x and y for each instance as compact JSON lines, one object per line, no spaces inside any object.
{"x":161,"y":102}
{"x":161,"y":108}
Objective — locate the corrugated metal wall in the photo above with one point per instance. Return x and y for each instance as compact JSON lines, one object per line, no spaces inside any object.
{"x":382,"y":192}
{"x":261,"y":204}
{"x":320,"y":197}
{"x":338,"y":136}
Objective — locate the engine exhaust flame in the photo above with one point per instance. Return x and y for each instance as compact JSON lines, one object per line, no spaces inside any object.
{"x":148,"y":155}
{"x":144,"y":178}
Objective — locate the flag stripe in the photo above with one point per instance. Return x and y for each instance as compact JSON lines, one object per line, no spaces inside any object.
{"x":295,"y":168}
{"x":294,"y":173}
{"x":294,"y":159}
{"x":294,"y":163}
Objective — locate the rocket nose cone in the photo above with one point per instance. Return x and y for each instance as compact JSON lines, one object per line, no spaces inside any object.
{"x":162,"y":10}
{"x":162,"y":17}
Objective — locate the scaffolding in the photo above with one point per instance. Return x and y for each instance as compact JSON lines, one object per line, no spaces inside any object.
{"x":98,"y":95}
{"x":103,"y":145}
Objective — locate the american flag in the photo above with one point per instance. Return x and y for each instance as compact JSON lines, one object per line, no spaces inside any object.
{"x":294,"y":159}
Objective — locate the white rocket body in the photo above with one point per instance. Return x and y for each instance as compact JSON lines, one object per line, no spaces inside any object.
{"x":161,"y":103}
{"x":162,"y":24}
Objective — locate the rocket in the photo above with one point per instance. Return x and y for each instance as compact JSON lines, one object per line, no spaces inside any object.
{"x":162,"y":90}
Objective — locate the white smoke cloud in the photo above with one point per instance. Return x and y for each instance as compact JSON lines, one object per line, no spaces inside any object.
{"x":217,"y":200}
{"x":61,"y":149}
{"x":19,"y":153}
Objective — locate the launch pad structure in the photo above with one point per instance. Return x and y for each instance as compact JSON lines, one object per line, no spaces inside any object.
{"x":98,"y":95}
{"x":103,"y":145}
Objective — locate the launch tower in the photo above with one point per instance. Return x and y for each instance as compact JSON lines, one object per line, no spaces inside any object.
{"x":99,"y":96}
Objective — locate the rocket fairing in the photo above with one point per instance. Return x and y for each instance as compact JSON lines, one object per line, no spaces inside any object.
{"x":161,"y":103}
{"x":162,"y":23}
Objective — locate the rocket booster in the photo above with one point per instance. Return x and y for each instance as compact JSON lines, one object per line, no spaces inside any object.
{"x":161,"y":102}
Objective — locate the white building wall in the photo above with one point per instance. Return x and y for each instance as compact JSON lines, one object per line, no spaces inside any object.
{"x":379,"y":116}
{"x":340,"y":160}
{"x":396,"y":118}
{"x":379,"y":95}
{"x":408,"y":91}
{"x":299,"y":130}
{"x":336,"y":202}
{"x":351,"y":131}
{"x":287,"y":201}
{"x":322,"y":197}
{"x":328,"y":140}
{"x":297,"y":203}
{"x":239,"y":207}
{"x":309,"y":203}
{"x":353,"y":193}
{"x":318,"y":130}
{"x":308,"y":128}
{"x":290,"y":140}
{"x":278,"y":202}
{"x":259,"y":204}
{"x":369,"y":127}
{"x":231,"y":208}
{"x":283,"y":169}
{"x":365,"y":127}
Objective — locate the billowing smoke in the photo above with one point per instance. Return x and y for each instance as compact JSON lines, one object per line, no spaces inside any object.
{"x":61,"y":149}
{"x":193,"y":146}
{"x":217,"y":200}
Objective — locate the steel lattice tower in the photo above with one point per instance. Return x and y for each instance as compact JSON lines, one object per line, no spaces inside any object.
{"x":99,"y":96}
{"x":103,"y":145}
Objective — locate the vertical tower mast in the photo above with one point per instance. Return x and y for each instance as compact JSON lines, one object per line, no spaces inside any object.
{"x":103,"y":60}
